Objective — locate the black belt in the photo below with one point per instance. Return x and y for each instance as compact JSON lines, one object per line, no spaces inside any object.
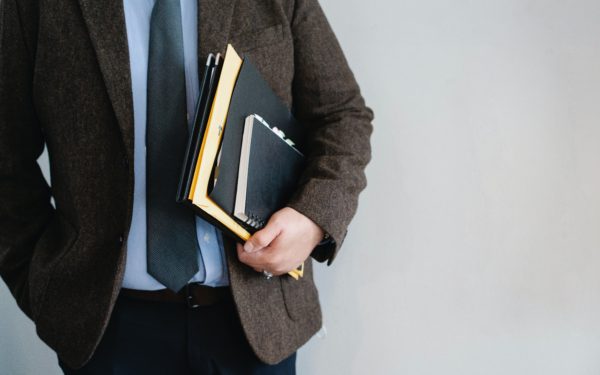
{"x":194,"y":295}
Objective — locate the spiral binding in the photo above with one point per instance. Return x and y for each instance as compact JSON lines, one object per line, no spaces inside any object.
{"x":255,"y":221}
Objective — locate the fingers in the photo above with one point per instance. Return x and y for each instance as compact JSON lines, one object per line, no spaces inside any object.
{"x":263,"y":237}
{"x":254,"y":260}
{"x":280,"y":246}
{"x":268,"y":259}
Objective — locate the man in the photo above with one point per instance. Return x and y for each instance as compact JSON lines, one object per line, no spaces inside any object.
{"x":88,"y":78}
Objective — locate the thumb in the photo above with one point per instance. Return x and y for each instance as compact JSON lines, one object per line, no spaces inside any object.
{"x":262,"y":238}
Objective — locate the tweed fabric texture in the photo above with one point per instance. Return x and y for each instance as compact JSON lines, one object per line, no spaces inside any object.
{"x":65,"y":82}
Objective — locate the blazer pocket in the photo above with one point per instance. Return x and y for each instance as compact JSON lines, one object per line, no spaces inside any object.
{"x":248,"y":40}
{"x":58,"y":239}
{"x":301,"y":296}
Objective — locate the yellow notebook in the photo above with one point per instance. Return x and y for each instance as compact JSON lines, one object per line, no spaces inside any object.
{"x":210,"y":148}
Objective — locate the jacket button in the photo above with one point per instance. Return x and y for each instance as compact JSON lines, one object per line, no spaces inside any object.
{"x":125,"y":162}
{"x":121,"y":239}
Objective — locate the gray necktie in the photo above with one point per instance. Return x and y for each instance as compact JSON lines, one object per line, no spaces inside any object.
{"x":172,"y":242}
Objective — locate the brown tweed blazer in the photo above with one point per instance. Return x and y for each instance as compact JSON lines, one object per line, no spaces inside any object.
{"x":65,"y":82}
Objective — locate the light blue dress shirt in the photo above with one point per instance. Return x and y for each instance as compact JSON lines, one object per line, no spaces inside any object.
{"x":137,"y":18}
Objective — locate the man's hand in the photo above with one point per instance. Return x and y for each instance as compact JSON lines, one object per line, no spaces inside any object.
{"x":283,"y":244}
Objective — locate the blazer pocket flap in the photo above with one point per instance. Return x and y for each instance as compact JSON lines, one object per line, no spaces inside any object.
{"x":248,"y":40}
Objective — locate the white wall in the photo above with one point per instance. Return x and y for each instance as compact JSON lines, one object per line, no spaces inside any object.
{"x":476,"y":249}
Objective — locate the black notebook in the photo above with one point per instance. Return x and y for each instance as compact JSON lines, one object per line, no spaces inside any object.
{"x":269,"y":169}
{"x":252,"y":95}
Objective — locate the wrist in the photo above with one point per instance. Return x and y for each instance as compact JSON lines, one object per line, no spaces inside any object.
{"x":325,"y":240}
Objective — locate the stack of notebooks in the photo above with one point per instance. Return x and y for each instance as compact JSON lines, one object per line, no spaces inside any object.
{"x":245,"y":152}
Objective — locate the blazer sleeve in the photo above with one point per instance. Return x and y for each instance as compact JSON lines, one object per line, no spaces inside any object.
{"x":327,"y":99}
{"x":25,"y":208}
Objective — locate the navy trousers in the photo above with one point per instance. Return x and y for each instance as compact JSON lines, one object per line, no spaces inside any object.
{"x":147,"y":337}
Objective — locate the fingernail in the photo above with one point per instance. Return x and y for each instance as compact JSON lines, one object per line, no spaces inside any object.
{"x":248,"y":247}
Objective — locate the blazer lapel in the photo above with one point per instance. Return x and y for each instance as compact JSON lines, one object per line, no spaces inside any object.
{"x":214,"y":24}
{"x":105,"y":21}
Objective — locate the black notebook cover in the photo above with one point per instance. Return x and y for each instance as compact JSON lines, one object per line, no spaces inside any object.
{"x":252,"y":94}
{"x":269,"y":171}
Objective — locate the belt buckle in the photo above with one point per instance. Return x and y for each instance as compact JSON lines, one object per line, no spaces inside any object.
{"x":189,"y":298}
